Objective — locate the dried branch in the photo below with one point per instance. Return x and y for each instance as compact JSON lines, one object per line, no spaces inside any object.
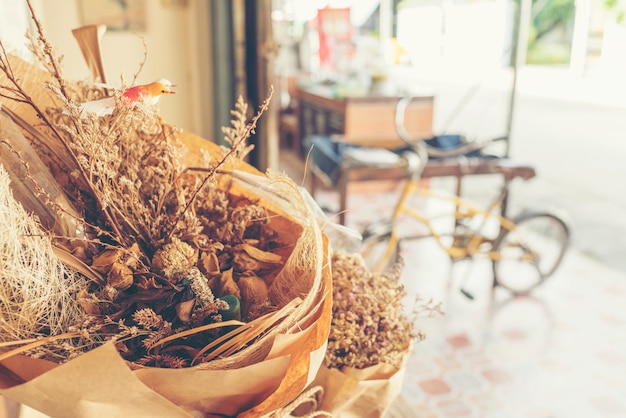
{"x":49,"y":51}
{"x":18,"y":94}
{"x":143,"y":61}
{"x":237,"y":145}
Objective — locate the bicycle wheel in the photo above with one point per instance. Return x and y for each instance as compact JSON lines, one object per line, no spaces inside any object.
{"x":531,"y":252}
{"x":379,"y":250}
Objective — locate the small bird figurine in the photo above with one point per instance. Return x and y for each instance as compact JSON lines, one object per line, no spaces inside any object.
{"x":143,"y":95}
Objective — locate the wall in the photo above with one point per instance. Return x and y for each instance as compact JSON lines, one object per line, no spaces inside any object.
{"x":173,"y":36}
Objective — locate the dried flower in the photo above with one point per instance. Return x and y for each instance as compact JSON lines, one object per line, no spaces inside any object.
{"x":368,"y":326}
{"x":174,"y":260}
{"x":148,"y":319}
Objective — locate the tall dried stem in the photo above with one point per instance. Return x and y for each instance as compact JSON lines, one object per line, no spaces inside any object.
{"x":49,"y":51}
{"x":237,"y":145}
{"x":15,"y":92}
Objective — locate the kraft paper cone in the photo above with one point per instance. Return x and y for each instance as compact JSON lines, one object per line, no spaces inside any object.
{"x":360,"y":393}
{"x":217,"y":392}
{"x":86,"y":386}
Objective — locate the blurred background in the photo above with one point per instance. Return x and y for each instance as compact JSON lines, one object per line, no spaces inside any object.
{"x":549,"y":74}
{"x":564,"y":110}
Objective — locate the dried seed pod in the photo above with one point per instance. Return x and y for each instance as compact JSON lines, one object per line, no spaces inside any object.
{"x":185,"y":309}
{"x":209,"y":264}
{"x":253,"y":293}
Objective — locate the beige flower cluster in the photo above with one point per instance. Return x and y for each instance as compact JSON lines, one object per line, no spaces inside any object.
{"x":369,"y":325}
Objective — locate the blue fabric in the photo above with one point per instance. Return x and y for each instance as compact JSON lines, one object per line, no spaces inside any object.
{"x":327,"y":154}
{"x":445,"y":142}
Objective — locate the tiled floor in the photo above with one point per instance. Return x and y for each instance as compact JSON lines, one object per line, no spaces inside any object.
{"x":559,"y":353}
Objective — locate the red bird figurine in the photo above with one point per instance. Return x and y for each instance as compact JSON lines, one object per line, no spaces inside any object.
{"x":143,"y":95}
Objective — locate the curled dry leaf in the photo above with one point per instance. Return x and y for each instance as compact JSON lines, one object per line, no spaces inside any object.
{"x":103,"y":262}
{"x":249,"y":258}
{"x":209,"y":264}
{"x":228,"y":285}
{"x":88,"y":302}
{"x":253,"y":293}
{"x":120,"y":276}
{"x":242,"y":262}
{"x":260,"y":255}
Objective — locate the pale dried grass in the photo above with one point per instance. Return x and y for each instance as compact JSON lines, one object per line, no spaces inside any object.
{"x":36,"y":290}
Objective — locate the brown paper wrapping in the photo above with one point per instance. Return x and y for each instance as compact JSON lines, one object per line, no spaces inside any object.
{"x":100,"y":383}
{"x":360,"y":393}
{"x":84,"y":387}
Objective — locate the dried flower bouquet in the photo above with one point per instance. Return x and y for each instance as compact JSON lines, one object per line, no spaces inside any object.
{"x":370,"y":339}
{"x":161,"y":264}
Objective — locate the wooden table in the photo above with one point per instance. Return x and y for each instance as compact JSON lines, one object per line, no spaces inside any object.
{"x":369,"y":120}
{"x":363,"y":119}
{"x":353,"y":171}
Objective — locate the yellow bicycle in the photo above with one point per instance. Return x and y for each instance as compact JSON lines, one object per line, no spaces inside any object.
{"x":524,"y":250}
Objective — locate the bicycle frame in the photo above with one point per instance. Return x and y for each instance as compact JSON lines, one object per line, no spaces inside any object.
{"x":463,"y":246}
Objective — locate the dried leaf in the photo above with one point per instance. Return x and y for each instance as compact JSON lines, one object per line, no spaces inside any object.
{"x":209,"y":264}
{"x":88,"y":302}
{"x":131,"y":258}
{"x":103,"y":262}
{"x":253,"y":293}
{"x":228,"y":285}
{"x":145,"y":283}
{"x":120,"y":276}
{"x":78,"y":265}
{"x":260,"y":255}
{"x":243,"y":262}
